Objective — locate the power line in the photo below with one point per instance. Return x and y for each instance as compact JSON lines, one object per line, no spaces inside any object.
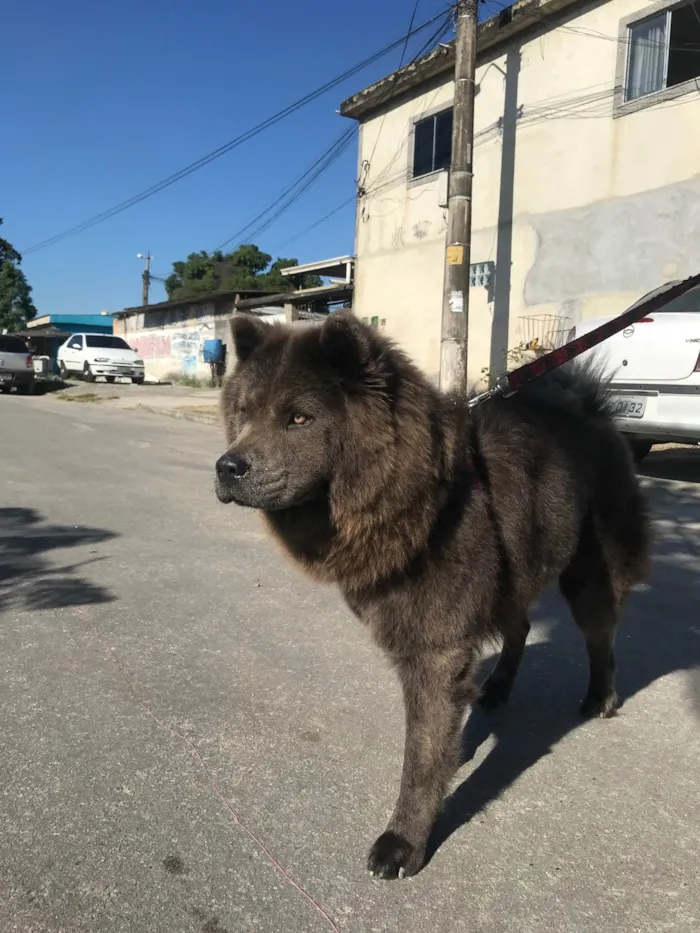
{"x":329,"y":156}
{"x":557,"y":106}
{"x":435,"y":37}
{"x":316,"y":223}
{"x":267,"y":223}
{"x":403,"y":53}
{"x":581,"y":106}
{"x":446,"y":18}
{"x":560,"y":110}
{"x":320,"y":165}
{"x":588,"y":33}
{"x":233,"y":143}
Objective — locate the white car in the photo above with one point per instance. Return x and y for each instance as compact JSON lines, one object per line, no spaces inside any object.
{"x":93,"y":355}
{"x":655,"y":373}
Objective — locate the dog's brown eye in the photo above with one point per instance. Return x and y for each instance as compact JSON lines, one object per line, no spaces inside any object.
{"x":298,"y":419}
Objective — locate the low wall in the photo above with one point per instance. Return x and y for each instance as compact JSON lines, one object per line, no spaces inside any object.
{"x":171,"y":340}
{"x":177,"y":352}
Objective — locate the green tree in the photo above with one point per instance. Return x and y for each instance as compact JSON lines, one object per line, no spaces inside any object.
{"x":246,"y":268}
{"x":16,"y":305}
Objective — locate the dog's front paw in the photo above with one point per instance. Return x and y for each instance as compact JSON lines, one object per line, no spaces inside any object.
{"x":392,"y":856}
{"x":603,"y":706}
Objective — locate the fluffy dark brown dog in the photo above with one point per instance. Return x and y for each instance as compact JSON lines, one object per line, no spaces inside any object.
{"x":440,"y":525}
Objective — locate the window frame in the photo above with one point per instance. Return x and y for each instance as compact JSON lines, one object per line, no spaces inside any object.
{"x":414,"y":180}
{"x":622,"y":106}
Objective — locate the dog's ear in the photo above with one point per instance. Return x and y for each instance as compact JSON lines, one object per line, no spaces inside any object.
{"x":346,"y":343}
{"x":248,"y":334}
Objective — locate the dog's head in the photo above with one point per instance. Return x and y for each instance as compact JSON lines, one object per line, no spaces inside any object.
{"x":307,"y":407}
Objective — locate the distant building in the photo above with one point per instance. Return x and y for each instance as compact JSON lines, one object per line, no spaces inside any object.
{"x":586,"y":174}
{"x":72,"y":323}
{"x":170,"y":336}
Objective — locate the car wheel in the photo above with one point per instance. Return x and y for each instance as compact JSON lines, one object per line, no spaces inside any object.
{"x":5,"y":390}
{"x":110,"y":378}
{"x":27,"y":388}
{"x":640,"y":449}
{"x":87,"y":373}
{"x":62,"y":371}
{"x":137,"y":380}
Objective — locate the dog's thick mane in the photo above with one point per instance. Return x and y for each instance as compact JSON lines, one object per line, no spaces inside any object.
{"x":393,"y":465}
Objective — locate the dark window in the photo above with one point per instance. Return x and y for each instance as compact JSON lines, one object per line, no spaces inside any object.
{"x":76,"y":343}
{"x":12,"y":345}
{"x":689,"y":302}
{"x":106,"y":342}
{"x":432,"y":143}
{"x":664,"y":50}
{"x":684,"y":45}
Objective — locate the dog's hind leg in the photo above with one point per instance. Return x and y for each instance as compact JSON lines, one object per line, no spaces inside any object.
{"x":498,"y":685}
{"x":589,"y":587}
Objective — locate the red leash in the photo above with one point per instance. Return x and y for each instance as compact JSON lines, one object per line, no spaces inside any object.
{"x":510,"y":383}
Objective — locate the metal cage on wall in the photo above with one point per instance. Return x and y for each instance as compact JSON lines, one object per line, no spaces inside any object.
{"x":544,"y":331}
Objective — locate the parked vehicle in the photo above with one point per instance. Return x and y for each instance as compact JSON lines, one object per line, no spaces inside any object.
{"x":93,"y":355}
{"x":655,"y":370}
{"x":16,"y":365}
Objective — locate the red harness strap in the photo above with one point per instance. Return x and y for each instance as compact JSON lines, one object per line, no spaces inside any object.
{"x":509,"y":383}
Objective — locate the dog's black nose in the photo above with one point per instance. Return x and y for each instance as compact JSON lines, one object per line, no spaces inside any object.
{"x":231,"y":466}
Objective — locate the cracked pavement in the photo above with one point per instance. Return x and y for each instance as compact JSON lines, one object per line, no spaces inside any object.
{"x":195,"y":738}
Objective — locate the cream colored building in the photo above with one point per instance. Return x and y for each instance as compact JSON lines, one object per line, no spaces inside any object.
{"x":586,"y":175}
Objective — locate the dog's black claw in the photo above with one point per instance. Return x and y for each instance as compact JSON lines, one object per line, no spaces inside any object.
{"x":392,"y":857}
{"x":494,"y":693}
{"x":597,"y":707}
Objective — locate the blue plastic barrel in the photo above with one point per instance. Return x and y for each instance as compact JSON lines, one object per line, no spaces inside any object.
{"x":213,"y":350}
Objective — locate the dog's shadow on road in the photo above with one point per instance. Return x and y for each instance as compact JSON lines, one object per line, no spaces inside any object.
{"x":659,"y":635}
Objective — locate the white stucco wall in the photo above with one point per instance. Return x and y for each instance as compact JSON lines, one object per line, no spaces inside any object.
{"x":603,"y":208}
{"x":171,"y":348}
{"x":171,"y":341}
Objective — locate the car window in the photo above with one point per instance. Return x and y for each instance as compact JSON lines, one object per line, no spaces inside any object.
{"x":689,"y":302}
{"x":75,"y":343}
{"x":106,"y":342}
{"x":12,"y":344}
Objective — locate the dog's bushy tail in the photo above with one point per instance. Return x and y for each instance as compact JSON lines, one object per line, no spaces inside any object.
{"x":578,"y":387}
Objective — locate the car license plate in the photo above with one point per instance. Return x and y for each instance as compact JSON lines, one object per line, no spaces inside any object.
{"x":629,"y":406}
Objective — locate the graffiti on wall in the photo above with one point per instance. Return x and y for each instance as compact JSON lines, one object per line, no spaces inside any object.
{"x":181,"y":345}
{"x":151,"y":346}
{"x":185,"y":347}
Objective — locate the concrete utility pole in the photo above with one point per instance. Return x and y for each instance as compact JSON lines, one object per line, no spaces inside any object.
{"x":146,"y":276}
{"x":455,"y":302}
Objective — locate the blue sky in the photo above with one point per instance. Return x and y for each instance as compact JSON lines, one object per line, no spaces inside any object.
{"x":104,"y":100}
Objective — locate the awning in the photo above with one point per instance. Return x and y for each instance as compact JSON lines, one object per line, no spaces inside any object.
{"x":47,"y":331}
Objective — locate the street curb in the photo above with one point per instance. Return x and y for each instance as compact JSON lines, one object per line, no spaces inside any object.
{"x":181,"y":415}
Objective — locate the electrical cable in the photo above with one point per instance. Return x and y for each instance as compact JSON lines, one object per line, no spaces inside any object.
{"x":232,"y":144}
{"x":403,"y":53}
{"x":329,"y":156}
{"x":320,"y":165}
{"x":315,"y":224}
{"x":447,"y":21}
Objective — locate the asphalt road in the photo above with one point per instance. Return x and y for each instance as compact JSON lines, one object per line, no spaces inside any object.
{"x":194,"y":738}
